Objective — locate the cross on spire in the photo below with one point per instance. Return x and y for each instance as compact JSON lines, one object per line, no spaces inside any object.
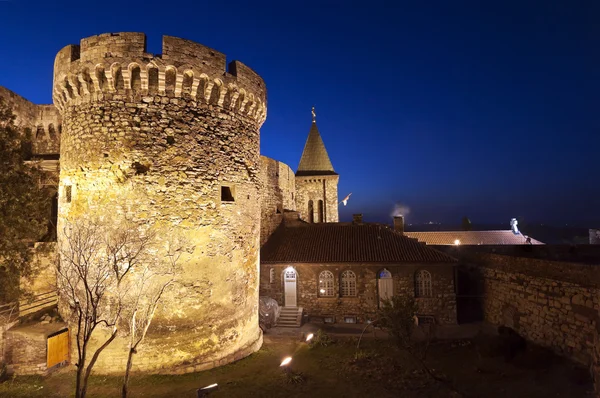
{"x":314,"y":115}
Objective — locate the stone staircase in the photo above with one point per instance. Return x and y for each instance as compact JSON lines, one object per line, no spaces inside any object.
{"x":290,"y":317}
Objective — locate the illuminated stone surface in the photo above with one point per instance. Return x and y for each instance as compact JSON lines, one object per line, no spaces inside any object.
{"x":156,"y":138}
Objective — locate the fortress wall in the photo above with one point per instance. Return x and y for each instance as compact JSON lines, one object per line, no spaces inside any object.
{"x":553,"y":304}
{"x":25,"y":112}
{"x":159,"y":140}
{"x":43,"y":121}
{"x":278,"y":187}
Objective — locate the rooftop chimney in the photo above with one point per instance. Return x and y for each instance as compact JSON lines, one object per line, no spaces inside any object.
{"x":399,"y":224}
{"x":357,"y":219}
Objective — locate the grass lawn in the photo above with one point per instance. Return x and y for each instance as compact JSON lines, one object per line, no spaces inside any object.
{"x":470,"y":368}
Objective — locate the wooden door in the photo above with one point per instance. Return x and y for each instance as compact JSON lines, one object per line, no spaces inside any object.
{"x":57,"y":348}
{"x":290,"y":277}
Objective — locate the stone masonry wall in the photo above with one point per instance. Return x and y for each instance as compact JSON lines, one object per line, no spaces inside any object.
{"x":317,"y":188}
{"x":26,"y":348}
{"x":553,"y":304}
{"x":278,"y":187}
{"x":364,"y":306}
{"x":5,"y":325}
{"x":43,"y":121}
{"x":172,"y":143}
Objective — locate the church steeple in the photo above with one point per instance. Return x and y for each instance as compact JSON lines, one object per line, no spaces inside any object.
{"x":314,"y":160}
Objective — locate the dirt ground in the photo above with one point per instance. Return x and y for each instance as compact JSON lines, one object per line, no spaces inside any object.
{"x":460,"y":368}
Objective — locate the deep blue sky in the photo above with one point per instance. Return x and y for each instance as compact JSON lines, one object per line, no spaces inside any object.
{"x":489,"y":109}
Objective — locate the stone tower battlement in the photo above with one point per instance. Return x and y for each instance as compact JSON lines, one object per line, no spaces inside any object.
{"x":117,"y":64}
{"x":172,"y":144}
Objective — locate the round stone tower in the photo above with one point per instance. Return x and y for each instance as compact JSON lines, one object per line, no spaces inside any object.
{"x":171,"y":140}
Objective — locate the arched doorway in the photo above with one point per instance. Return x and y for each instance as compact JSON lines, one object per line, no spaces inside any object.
{"x":385,"y":285}
{"x":289,"y":286}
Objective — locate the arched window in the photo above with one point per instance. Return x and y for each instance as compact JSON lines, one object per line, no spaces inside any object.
{"x":423,"y":284}
{"x":326,"y":286}
{"x":272,"y":275}
{"x":320,"y":211}
{"x":348,"y":286}
{"x":311,"y":212}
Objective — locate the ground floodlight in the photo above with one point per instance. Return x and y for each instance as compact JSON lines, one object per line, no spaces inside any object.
{"x":204,"y":391}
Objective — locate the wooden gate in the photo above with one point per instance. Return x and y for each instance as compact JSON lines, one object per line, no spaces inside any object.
{"x":58,"y":348}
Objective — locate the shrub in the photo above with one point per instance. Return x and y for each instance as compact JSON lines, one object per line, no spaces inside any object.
{"x":321,"y":339}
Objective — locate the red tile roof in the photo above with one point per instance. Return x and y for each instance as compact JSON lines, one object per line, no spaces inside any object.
{"x":471,"y":238}
{"x":340,"y":242}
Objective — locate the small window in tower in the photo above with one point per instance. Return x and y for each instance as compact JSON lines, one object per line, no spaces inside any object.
{"x":68,"y":192}
{"x":227,"y":194}
{"x":170,"y":140}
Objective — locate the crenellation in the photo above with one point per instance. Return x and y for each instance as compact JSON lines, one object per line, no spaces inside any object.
{"x":118,"y":63}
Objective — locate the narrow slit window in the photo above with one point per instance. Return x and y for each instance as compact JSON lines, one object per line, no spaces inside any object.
{"x":227,"y":194}
{"x":68,"y":193}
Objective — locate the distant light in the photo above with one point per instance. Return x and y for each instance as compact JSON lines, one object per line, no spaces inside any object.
{"x":211,"y":386}
{"x":322,"y":290}
{"x":457,"y":242}
{"x":286,"y":361}
{"x":309,"y":337}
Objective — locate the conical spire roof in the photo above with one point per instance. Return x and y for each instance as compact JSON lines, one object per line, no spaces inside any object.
{"x":315,"y":160}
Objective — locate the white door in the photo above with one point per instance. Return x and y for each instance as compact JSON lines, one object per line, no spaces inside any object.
{"x":385,"y":285}
{"x":289,"y":278}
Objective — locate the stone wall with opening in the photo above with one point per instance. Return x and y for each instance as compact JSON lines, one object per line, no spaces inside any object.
{"x":317,"y":198}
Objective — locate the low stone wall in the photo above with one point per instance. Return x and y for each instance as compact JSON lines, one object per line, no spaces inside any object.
{"x":553,"y":304}
{"x":5,"y":324}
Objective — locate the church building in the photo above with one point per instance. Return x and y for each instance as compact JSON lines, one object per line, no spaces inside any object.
{"x":323,"y":270}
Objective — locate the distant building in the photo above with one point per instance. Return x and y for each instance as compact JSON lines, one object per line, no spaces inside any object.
{"x":472,"y":238}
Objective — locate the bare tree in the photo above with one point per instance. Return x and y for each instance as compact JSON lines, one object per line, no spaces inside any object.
{"x":144,"y":292}
{"x":95,"y":259}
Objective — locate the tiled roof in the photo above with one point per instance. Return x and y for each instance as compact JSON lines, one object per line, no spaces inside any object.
{"x":314,"y":160}
{"x":471,"y":238}
{"x":341,"y":242}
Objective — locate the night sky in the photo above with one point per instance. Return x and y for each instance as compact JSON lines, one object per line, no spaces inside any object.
{"x":450,"y":108}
